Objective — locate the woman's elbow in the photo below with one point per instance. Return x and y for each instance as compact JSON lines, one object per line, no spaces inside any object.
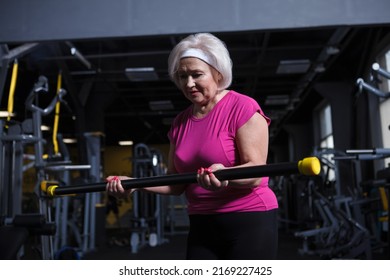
{"x":177,"y":190}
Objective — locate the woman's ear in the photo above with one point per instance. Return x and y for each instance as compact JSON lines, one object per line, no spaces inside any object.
{"x":216,"y":75}
{"x":219,"y":77}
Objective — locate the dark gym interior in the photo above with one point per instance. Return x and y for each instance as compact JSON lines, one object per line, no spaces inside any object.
{"x":94,"y":73}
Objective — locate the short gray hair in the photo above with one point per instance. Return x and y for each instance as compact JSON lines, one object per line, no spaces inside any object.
{"x":212,"y":47}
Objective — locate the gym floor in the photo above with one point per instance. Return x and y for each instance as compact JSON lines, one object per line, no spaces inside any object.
{"x":117,"y":247}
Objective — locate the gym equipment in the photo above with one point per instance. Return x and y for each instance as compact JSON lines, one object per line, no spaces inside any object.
{"x":41,"y":87}
{"x":8,"y":56}
{"x":333,"y":232}
{"x":382,"y":185}
{"x":295,"y":195}
{"x":177,"y":216}
{"x":365,"y":154}
{"x":339,"y":236}
{"x":307,"y":166}
{"x":376,"y":71}
{"x":68,"y":223}
{"x":11,"y":241}
{"x":54,"y":211}
{"x":383,"y":180}
{"x":15,"y":232}
{"x":75,"y":216}
{"x":384,"y":189}
{"x":356,"y":156}
{"x":348,"y":224}
{"x":93,"y":146}
{"x":147,"y":221}
{"x":12,"y":142}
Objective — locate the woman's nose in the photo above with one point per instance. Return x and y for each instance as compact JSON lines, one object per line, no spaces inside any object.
{"x":190,"y":82}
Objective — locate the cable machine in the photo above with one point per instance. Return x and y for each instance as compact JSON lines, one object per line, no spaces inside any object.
{"x":147,"y":221}
{"x":382,"y":180}
{"x":13,"y":140}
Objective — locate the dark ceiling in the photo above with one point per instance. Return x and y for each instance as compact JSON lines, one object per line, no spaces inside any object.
{"x":278,"y":68}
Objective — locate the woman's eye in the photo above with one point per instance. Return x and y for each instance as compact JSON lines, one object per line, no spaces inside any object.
{"x":186,"y":76}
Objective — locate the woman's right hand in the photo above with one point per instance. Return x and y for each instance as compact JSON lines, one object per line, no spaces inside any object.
{"x":114,"y":186}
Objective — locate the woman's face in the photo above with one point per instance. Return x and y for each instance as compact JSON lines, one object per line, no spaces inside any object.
{"x":198,"y":80}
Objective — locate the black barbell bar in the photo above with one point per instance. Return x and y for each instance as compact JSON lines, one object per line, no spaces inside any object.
{"x":308,"y":166}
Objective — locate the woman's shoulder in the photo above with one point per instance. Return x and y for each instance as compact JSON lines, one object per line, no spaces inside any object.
{"x":241,"y":99}
{"x":245,"y":106}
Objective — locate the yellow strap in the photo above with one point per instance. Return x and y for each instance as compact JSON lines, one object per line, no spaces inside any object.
{"x":384,"y":199}
{"x":12,"y":90}
{"x":57,"y":116}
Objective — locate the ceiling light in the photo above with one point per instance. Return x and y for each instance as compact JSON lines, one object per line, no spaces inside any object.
{"x":141,"y":74}
{"x":70,"y":140}
{"x":277,"y":99}
{"x":332,"y":50}
{"x":81,"y":73}
{"x":161,"y":105}
{"x":4,"y":114}
{"x":273,"y":115}
{"x":297,"y":66}
{"x":290,"y":107}
{"x":320,"y":68}
{"x":45,"y":128}
{"x":125,"y":143}
{"x":76,"y":53}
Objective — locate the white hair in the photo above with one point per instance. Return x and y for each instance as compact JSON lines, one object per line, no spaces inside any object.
{"x":213,"y":48}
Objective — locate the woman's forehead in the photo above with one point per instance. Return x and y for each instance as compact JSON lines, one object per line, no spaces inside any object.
{"x":192,"y":63}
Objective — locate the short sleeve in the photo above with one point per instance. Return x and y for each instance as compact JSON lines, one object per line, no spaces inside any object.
{"x":247,"y":109}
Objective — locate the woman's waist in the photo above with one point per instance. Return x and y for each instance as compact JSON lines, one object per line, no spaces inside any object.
{"x":233,"y":200}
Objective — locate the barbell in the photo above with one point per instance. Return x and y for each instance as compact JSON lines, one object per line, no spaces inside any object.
{"x":309,"y":166}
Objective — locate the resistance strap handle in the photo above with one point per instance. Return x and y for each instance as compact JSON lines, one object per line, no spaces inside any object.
{"x":308,"y":166}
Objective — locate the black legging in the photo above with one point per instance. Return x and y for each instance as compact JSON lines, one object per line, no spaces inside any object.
{"x":238,"y":235}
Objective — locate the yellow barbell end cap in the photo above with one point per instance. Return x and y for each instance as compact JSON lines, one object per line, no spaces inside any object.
{"x":50,"y":190}
{"x":46,"y":184}
{"x":309,"y":166}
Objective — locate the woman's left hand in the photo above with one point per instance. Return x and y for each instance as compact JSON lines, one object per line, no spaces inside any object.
{"x":114,"y":187}
{"x":207,"y":180}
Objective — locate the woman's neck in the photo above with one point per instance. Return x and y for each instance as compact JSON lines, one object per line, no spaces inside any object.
{"x":202,"y":110}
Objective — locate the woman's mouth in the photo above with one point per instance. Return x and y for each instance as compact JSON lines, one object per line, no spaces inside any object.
{"x":194,"y":93}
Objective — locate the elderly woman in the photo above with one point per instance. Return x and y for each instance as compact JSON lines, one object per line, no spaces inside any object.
{"x":234,"y":219}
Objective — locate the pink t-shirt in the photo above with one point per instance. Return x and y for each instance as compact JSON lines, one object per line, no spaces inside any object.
{"x":202,"y":142}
